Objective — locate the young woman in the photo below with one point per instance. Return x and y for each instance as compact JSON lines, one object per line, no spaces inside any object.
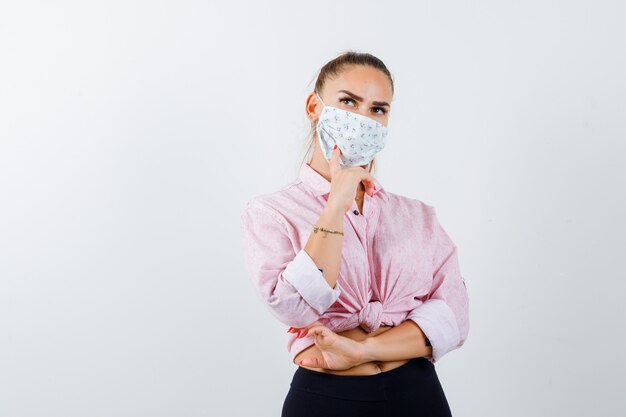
{"x":367,"y":281}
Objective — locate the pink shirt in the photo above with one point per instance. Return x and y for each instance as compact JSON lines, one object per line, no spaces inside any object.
{"x":398,"y":264}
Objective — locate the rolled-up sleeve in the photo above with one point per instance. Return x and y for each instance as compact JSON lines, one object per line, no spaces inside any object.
{"x":287,"y":280}
{"x":443,"y":315}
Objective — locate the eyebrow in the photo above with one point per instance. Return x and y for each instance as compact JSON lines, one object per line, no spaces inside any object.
{"x":357,"y":98}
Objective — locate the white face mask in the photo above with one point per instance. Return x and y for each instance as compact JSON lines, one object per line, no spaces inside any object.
{"x":359,"y":137}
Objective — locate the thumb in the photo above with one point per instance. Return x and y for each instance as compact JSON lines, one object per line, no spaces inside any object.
{"x":313,"y":362}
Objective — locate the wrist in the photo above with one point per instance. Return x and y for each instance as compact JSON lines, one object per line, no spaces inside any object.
{"x":369,"y":349}
{"x":333,"y":213}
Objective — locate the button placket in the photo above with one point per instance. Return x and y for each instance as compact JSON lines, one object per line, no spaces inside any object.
{"x":358,"y":223}
{"x":361,"y":225}
{"x":373,"y":214}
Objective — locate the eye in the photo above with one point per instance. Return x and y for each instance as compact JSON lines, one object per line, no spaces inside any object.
{"x":381,"y":108}
{"x":342,"y":100}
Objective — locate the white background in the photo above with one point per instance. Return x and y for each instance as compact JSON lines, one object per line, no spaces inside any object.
{"x":133,"y":132}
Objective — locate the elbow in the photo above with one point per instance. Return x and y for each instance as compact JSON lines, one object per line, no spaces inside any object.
{"x":462,"y":341}
{"x":446,"y":326}
{"x":292,"y":312}
{"x":463,"y":330}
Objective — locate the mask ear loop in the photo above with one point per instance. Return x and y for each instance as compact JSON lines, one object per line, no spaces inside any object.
{"x":320,"y":97}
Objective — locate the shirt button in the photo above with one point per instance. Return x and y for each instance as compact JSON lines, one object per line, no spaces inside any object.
{"x":356,"y":212}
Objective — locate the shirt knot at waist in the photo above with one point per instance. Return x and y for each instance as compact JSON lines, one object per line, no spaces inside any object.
{"x":370,"y":316}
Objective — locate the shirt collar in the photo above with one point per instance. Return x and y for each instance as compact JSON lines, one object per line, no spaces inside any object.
{"x":321,"y":186}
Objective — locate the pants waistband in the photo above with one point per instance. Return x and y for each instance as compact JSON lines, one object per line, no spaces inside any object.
{"x":376,"y":387}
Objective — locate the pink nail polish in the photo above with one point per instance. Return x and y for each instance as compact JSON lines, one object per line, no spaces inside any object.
{"x":305,"y":333}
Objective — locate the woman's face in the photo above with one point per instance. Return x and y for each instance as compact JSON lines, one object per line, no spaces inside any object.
{"x":359,"y":89}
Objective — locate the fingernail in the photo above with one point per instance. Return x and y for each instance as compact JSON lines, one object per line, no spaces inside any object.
{"x":335,"y":147}
{"x":298,"y":333}
{"x":301,"y":361}
{"x":304,"y":334}
{"x":289,"y":329}
{"x":374,"y":186}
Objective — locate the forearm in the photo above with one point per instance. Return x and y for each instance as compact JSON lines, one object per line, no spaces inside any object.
{"x":404,"y":341}
{"x":325,"y":249}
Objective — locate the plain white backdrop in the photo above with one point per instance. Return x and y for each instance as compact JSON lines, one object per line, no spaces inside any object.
{"x":133,"y":132}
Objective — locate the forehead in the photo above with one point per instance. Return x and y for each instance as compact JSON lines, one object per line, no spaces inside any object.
{"x":367,"y":82}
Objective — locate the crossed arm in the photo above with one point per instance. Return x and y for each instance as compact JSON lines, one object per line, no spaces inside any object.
{"x":404,"y":341}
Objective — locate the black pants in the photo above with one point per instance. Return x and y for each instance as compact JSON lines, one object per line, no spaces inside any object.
{"x":412,"y":389}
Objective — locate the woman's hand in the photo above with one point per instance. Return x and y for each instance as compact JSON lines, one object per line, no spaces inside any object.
{"x":345,"y":181}
{"x":338,"y":352}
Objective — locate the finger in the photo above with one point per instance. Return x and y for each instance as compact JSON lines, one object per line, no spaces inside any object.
{"x":295,"y":329}
{"x":334,"y":161}
{"x":298,"y":330}
{"x":314,"y":362}
{"x":321,"y":331}
{"x":369,"y":183}
{"x":303,"y":331}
